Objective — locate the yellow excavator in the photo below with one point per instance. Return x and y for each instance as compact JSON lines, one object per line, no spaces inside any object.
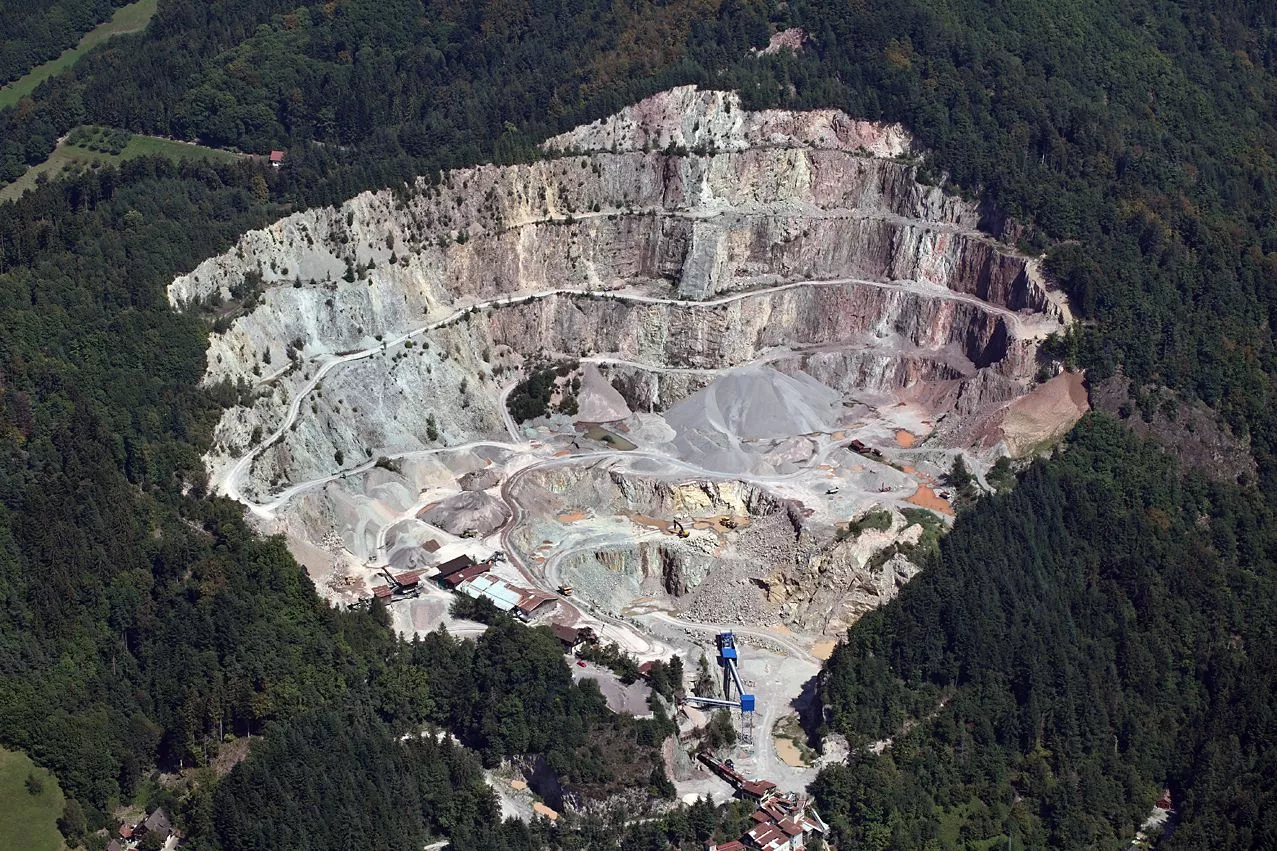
{"x":679,"y":530}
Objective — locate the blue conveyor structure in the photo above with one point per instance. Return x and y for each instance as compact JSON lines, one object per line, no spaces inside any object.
{"x":727,"y":660}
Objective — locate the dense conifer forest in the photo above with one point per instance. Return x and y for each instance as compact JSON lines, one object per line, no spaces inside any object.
{"x":34,"y":31}
{"x":1102,"y":631}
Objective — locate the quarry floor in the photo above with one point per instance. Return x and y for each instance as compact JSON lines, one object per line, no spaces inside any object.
{"x":831,"y":481}
{"x":778,"y":663}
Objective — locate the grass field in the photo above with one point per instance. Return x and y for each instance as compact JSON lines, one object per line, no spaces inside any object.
{"x":127,"y":19}
{"x":67,"y":155}
{"x":28,"y":821}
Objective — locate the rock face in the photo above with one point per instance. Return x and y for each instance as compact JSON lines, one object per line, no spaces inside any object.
{"x":692,"y":119}
{"x":683,"y":232}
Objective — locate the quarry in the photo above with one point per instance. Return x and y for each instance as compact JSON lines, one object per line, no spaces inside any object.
{"x":699,"y":368}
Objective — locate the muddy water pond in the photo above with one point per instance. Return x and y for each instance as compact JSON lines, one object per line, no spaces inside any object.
{"x":612,"y":439}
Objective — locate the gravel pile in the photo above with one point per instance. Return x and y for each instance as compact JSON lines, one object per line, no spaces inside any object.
{"x":728,"y":596}
{"x":717,"y":427}
{"x":598,"y":401}
{"x":767,"y":541}
{"x":468,"y":511}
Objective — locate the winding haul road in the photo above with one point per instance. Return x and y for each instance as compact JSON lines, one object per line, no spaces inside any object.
{"x":229,"y":483}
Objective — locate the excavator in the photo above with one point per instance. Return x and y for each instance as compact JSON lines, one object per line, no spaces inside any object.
{"x":728,"y":522}
{"x":679,"y":530}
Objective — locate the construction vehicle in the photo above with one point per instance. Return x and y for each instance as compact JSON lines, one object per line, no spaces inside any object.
{"x":565,"y":590}
{"x":728,"y":523}
{"x":679,"y":530}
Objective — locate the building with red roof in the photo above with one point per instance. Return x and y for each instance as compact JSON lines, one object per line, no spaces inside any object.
{"x":568,"y":636}
{"x":767,"y":837}
{"x":464,"y":574}
{"x":530,"y":601}
{"x":758,"y":790}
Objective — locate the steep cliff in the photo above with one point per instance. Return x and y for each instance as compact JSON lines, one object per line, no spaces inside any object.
{"x":683,"y":232}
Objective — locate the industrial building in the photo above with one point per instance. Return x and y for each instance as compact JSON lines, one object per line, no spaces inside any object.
{"x":506,"y":597}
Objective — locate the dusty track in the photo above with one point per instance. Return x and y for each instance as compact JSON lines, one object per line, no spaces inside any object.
{"x":229,"y":483}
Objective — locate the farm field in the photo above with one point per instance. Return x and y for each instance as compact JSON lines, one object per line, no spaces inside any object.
{"x":68,"y":155}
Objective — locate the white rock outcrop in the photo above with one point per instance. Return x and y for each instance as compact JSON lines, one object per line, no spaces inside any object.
{"x":684,"y":231}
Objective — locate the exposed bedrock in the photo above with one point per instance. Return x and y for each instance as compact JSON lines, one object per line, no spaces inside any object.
{"x":771,"y":569}
{"x":616,"y":577}
{"x":683,"y":232}
{"x":605,"y":491}
{"x":724,"y":334}
{"x":387,"y":404}
{"x":883,"y":339}
{"x":329,"y":314}
{"x":869,"y":368}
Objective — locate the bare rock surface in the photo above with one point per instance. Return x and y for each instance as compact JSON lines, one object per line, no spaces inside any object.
{"x":762,"y":327}
{"x":683,"y":231}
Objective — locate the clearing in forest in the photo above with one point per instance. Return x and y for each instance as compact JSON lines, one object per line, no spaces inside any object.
{"x":67,"y":155}
{"x":28,"y":820}
{"x":127,"y":19}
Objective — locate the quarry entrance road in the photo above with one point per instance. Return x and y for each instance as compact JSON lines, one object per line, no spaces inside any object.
{"x":230,"y":481}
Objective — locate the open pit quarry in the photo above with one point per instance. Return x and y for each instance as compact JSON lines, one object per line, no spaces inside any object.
{"x":760,"y":327}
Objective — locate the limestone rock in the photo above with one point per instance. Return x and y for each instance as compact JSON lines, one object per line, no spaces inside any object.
{"x":682,"y":233}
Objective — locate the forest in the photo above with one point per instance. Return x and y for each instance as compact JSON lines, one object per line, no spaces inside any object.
{"x":35,"y":31}
{"x":141,"y":623}
{"x":1102,"y":631}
